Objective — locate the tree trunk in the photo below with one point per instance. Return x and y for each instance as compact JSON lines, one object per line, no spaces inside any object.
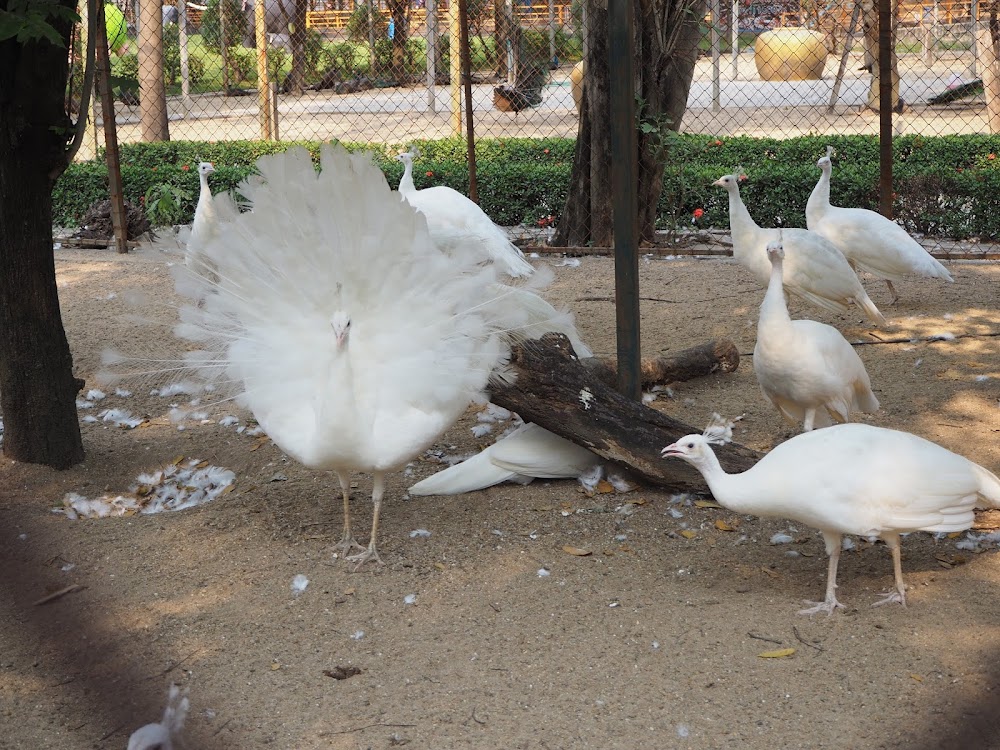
{"x":720,"y":355}
{"x":667,"y":35}
{"x":870,"y":26}
{"x":298,"y":33}
{"x":989,"y":46}
{"x":37,"y":387}
{"x":400,"y":33}
{"x":152,"y":92}
{"x":555,"y":391}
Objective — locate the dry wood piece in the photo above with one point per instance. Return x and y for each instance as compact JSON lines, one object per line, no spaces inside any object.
{"x":720,"y":355}
{"x":58,"y":594}
{"x":554,"y":390}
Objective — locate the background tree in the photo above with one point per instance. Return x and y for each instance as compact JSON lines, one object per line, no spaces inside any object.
{"x":152,"y":91}
{"x":37,"y":387}
{"x":667,"y":33}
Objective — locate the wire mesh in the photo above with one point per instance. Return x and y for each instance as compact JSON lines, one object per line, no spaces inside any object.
{"x":385,"y":72}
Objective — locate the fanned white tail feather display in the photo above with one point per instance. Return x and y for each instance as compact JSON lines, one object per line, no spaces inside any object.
{"x":529,"y":452}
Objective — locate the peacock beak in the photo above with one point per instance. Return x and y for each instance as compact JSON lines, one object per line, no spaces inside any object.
{"x":719,"y":182}
{"x":671,"y":450}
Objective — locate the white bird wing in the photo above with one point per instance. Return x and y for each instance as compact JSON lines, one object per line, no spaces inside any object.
{"x":529,"y":452}
{"x":445,"y":207}
{"x":878,"y":245}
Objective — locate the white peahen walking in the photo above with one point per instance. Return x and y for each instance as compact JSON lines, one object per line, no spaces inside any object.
{"x":351,"y":336}
{"x":806,"y":369}
{"x":447,"y":209}
{"x":869,"y":240}
{"x":850,"y":479}
{"x":815,"y":270}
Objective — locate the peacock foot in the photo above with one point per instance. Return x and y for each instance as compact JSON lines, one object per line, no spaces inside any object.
{"x":367,"y":554}
{"x":828,"y":606}
{"x":346,"y":545}
{"x":892,"y":597}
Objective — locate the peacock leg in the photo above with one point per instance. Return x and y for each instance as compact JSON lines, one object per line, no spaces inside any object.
{"x":899,"y":595}
{"x":347,"y":542}
{"x":830,"y":603}
{"x":371,"y":553}
{"x":807,"y":423}
{"x":893,"y":292}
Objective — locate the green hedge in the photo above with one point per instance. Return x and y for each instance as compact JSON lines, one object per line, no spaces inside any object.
{"x":946,"y":186}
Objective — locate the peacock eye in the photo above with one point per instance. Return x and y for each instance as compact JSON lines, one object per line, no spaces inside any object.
{"x":690,"y":445}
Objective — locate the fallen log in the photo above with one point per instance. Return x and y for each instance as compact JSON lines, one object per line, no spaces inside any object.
{"x":719,"y":355}
{"x":554,"y":390}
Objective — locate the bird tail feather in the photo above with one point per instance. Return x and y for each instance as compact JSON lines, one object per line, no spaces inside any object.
{"x":475,"y":473}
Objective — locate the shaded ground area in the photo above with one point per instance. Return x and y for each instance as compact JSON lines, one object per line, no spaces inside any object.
{"x":652,"y":641}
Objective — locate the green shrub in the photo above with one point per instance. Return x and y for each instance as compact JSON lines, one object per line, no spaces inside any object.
{"x":126,"y":66}
{"x":945,"y":187}
{"x":236,"y":25}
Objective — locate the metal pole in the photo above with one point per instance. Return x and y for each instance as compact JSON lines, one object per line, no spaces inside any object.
{"x":470,"y":134}
{"x":885,"y":103}
{"x":432,"y":22}
{"x":552,"y":32}
{"x":716,"y":43}
{"x":185,"y":68}
{"x":624,"y":175}
{"x":274,"y":110}
{"x":734,"y":33}
{"x":103,"y":76}
{"x":263,"y":89}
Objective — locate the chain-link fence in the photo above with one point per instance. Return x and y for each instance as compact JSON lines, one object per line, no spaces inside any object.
{"x":387,"y":72}
{"x":360,"y":72}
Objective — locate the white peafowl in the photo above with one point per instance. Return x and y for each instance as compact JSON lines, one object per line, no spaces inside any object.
{"x":447,"y":209}
{"x":806,"y":369}
{"x":163,"y":734}
{"x":206,"y":221}
{"x":529,"y":452}
{"x":869,"y":240}
{"x":351,"y":336}
{"x":815,"y":270}
{"x":849,"y":479}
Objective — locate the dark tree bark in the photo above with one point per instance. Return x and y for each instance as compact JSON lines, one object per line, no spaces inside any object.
{"x":720,"y":355}
{"x":401,"y":32}
{"x":297,"y":75}
{"x":554,"y":390}
{"x":666,"y":42}
{"x":37,"y":387}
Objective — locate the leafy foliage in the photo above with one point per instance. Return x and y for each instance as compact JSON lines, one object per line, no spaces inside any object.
{"x":211,"y":29}
{"x":165,"y":203}
{"x":946,"y":186}
{"x":31,"y":20}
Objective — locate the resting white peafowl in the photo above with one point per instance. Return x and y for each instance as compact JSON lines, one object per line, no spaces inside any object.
{"x":351,"y":336}
{"x":448,"y":210}
{"x":850,"y":479}
{"x":869,"y":240}
{"x":161,"y":735}
{"x":806,"y":369}
{"x":815,"y":270}
{"x":529,"y":452}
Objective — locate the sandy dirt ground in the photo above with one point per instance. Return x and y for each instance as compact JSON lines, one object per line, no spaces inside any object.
{"x":652,"y":641}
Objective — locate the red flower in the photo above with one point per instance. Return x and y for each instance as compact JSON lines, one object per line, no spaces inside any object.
{"x":716,"y":142}
{"x":429,"y":173}
{"x":959,"y":169}
{"x":699,"y":212}
{"x":545,"y":151}
{"x":186,"y":168}
{"x":154,"y":169}
{"x":991,"y":157}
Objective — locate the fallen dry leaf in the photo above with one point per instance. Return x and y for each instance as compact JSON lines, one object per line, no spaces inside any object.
{"x":914,"y":676}
{"x":706,"y":504}
{"x":259,"y":442}
{"x":772,"y":573}
{"x":576,"y":551}
{"x":777,"y":654}
{"x":440,"y":566}
{"x":604,"y":487}
{"x":723,"y":526}
{"x":688,"y":534}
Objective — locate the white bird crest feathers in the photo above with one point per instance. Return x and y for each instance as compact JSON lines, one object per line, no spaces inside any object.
{"x":720,"y":429}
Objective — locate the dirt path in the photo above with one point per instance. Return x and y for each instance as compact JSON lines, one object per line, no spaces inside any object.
{"x":652,"y":641}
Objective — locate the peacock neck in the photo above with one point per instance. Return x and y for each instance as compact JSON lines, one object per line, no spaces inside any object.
{"x":819,"y":199}
{"x":406,"y":185}
{"x":727,"y":489}
{"x":774,"y":308}
{"x":740,"y":221}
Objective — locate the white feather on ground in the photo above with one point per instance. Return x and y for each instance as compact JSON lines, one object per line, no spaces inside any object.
{"x":851,"y":479}
{"x":351,"y":336}
{"x":529,"y":452}
{"x":162,"y":735}
{"x":806,"y":369}
{"x":868,"y":240}
{"x":815,"y":270}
